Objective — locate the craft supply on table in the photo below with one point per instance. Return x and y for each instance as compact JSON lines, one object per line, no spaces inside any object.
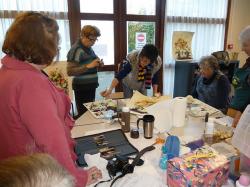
{"x":125,"y":119}
{"x":179,"y":111}
{"x":202,"y":167}
{"x":99,"y":108}
{"x":134,"y":133}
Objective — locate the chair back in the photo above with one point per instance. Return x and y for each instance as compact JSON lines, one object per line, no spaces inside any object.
{"x":221,"y":56}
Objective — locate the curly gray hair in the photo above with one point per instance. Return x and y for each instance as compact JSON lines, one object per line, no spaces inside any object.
{"x":209,"y":62}
{"x":245,"y":35}
{"x":34,"y":170}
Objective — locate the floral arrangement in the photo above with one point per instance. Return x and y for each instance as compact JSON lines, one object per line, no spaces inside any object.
{"x":59,"y":79}
{"x":182,"y":48}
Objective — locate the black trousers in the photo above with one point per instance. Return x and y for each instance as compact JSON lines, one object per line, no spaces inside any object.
{"x":83,"y":95}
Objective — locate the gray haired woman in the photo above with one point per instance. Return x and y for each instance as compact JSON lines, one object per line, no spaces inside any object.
{"x":212,"y":86}
{"x":241,"y":80}
{"x":241,"y":83}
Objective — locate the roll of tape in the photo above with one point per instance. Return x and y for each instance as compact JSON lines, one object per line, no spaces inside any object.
{"x":134,"y":133}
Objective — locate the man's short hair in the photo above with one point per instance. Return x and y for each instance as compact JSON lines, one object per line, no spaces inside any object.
{"x":149,"y":51}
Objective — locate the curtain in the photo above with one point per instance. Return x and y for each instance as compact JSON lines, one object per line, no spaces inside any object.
{"x":57,"y":9}
{"x":206,"y":18}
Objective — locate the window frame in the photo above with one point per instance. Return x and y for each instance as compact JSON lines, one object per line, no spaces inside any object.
{"x":204,"y":20}
{"x":120,"y":18}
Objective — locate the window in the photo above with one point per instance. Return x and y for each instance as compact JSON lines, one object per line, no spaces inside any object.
{"x":141,"y":7}
{"x":104,"y":47}
{"x":54,"y":8}
{"x":64,"y":39}
{"x":37,"y":5}
{"x":125,"y":24}
{"x":87,"y":6}
{"x":206,"y":18}
{"x":140,"y":33}
{"x":5,"y":23}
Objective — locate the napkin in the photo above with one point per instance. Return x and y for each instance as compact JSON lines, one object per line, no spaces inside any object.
{"x":146,"y":175}
{"x":162,"y":111}
{"x":168,"y":113}
{"x":99,"y":162}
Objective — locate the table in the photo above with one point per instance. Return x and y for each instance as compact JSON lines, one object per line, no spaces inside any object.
{"x":150,"y":174}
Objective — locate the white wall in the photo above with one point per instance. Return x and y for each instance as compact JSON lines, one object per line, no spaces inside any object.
{"x":239,"y":19}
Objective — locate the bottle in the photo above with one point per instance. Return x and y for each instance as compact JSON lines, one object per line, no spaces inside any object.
{"x":125,"y":121}
{"x":108,"y":115}
{"x":163,"y":161}
{"x":206,"y":117}
{"x":209,"y":131}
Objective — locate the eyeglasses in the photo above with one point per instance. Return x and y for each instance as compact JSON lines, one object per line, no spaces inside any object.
{"x":93,"y":39}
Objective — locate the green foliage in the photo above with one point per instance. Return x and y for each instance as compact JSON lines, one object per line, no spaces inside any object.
{"x":147,"y":27}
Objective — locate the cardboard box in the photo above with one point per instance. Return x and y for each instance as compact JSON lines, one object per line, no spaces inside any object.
{"x":201,"y":168}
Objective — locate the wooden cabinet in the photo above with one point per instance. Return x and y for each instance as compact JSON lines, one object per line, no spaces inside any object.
{"x":185,"y":72}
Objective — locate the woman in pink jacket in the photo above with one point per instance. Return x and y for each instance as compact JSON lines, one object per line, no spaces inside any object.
{"x":34,"y":114}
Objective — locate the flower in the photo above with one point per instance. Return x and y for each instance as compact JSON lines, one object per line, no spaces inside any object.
{"x":183,"y":50}
{"x":59,"y":79}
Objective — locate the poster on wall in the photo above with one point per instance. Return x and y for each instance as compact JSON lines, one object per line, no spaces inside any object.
{"x":182,"y":45}
{"x":140,"y":39}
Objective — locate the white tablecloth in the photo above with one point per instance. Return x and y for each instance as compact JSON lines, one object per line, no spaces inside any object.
{"x":150,"y":174}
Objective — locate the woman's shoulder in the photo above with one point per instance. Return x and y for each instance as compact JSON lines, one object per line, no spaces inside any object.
{"x":76,"y":47}
{"x":37,"y":80}
{"x":133,"y":56}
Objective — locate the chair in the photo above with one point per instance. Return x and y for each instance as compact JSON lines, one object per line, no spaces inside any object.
{"x":221,"y":55}
{"x":61,"y":67}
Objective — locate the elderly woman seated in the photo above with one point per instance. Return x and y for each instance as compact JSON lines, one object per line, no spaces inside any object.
{"x":212,"y":86}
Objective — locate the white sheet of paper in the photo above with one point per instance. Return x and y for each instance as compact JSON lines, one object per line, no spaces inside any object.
{"x":163,"y":115}
{"x":226,"y":121}
{"x":137,"y":96}
{"x":241,"y":136}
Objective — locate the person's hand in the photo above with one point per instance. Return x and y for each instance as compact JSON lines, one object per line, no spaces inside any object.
{"x":105,"y":93}
{"x":94,"y":63}
{"x":158,"y":94}
{"x":101,"y":63}
{"x":94,"y":174}
{"x":236,"y":119}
